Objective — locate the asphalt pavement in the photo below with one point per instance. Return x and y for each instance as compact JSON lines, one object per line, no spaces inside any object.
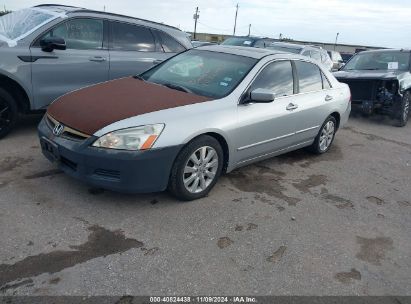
{"x":297,"y":224}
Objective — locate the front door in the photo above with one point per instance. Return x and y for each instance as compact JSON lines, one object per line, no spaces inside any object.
{"x":264,"y":128}
{"x":83,"y":63}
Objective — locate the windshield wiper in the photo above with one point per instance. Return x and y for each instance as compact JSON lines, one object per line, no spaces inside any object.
{"x":139,"y":77}
{"x":177,"y":87}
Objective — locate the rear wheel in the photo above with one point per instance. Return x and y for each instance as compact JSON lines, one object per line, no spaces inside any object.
{"x":8,"y":113}
{"x":403,"y":110}
{"x":325,"y":137}
{"x":196,"y":168}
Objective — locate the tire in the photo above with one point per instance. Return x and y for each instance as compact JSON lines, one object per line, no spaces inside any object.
{"x":8,"y":113}
{"x":366,"y":110}
{"x":325,"y":133}
{"x":186,"y":175}
{"x":403,"y":111}
{"x":366,"y":114}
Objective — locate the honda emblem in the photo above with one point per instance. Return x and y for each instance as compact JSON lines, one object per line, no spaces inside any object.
{"x":58,"y":129}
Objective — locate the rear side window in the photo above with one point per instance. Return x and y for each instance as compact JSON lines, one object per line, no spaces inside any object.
{"x":326,"y":82}
{"x":169,"y":44}
{"x":80,"y":34}
{"x":261,"y":43}
{"x":277,"y":77}
{"x":316,"y":55}
{"x":129,"y":37}
{"x":309,"y":77}
{"x":306,"y":53}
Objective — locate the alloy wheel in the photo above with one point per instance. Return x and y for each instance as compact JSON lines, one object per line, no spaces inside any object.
{"x":5,"y":115}
{"x":327,"y":136}
{"x":200,"y":169}
{"x":406,"y":109}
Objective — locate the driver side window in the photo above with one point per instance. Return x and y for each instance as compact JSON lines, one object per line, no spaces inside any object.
{"x":80,"y":34}
{"x":276,"y":77}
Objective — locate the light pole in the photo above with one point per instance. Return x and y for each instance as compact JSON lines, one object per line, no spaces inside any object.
{"x":249,"y":30}
{"x":235,"y":20}
{"x":336,"y":39}
{"x":196,"y":16}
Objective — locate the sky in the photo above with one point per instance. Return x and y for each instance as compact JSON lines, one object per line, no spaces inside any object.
{"x":361,"y":22}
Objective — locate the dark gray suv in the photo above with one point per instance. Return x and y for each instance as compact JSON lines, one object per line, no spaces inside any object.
{"x":49,"y":50}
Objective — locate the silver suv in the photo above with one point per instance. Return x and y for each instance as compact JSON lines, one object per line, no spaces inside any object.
{"x":314,"y":52}
{"x":49,"y":50}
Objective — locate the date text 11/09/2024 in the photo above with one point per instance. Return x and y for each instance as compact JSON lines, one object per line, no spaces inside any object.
{"x":205,"y":299}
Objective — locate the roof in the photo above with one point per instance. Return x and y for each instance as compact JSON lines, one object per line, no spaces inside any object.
{"x":72,"y":9}
{"x":290,"y":45}
{"x":386,"y":50}
{"x":60,"y":7}
{"x":250,"y":37}
{"x":245,"y":51}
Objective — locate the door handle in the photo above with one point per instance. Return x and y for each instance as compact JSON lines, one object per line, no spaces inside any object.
{"x":291,"y":107}
{"x":155,"y":62}
{"x":97,"y":59}
{"x":328,"y":98}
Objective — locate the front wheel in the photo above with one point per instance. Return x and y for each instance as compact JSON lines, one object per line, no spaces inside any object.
{"x":8,"y":113}
{"x":196,"y":168}
{"x":325,"y":137}
{"x":403,"y":110}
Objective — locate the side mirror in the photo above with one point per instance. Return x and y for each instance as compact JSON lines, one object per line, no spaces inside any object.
{"x":261,"y":96}
{"x":52,"y":43}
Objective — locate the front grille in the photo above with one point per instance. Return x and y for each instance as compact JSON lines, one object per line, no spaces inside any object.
{"x":68,"y":132}
{"x":75,"y":136}
{"x":50,"y":122}
{"x":362,"y":89}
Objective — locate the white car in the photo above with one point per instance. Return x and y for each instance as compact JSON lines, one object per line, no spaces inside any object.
{"x":314,"y":52}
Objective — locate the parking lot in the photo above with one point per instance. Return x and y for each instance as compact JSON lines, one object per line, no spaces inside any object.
{"x":337,"y":224}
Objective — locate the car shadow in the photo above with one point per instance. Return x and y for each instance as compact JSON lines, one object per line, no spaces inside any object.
{"x":376,"y":119}
{"x":26,"y":124}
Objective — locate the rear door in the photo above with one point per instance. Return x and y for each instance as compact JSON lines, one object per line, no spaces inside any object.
{"x":83,"y":63}
{"x":133,"y":49}
{"x":312,"y":101}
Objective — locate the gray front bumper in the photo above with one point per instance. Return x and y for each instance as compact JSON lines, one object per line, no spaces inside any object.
{"x":122,"y":171}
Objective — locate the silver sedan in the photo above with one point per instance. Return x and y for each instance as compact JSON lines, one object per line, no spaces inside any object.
{"x":183,"y":123}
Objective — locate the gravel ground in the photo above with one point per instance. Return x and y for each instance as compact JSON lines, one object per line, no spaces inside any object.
{"x":298,"y":224}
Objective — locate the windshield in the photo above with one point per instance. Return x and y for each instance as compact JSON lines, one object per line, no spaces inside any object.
{"x":390,"y":60}
{"x":284,"y":49}
{"x":18,"y":23}
{"x":238,"y":41}
{"x":203,"y":73}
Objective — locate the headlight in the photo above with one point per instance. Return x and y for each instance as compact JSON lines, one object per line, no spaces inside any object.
{"x":137,"y":138}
